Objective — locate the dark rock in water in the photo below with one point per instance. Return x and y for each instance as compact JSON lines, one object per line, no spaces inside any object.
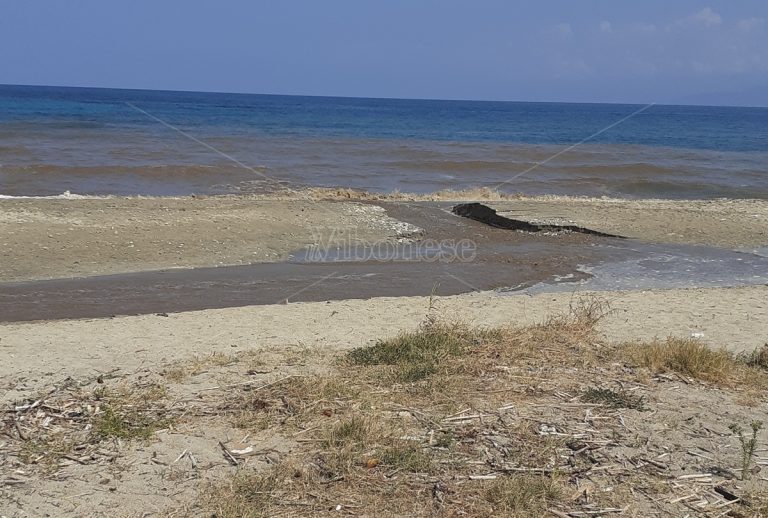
{"x":487,"y":215}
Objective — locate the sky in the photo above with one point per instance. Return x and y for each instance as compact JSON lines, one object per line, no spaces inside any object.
{"x":681,"y":51}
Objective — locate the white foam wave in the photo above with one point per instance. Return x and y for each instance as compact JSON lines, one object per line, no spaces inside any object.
{"x":66,"y":195}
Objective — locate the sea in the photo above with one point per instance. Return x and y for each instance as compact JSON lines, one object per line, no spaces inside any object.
{"x":95,"y":141}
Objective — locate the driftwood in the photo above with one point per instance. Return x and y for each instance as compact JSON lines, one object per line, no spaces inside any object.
{"x":487,"y":215}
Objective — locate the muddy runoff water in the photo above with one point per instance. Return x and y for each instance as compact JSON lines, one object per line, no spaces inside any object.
{"x":453,"y":255}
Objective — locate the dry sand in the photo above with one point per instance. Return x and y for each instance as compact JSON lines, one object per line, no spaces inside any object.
{"x":164,"y":476}
{"x":37,"y":354}
{"x":736,"y":224}
{"x":56,"y":238}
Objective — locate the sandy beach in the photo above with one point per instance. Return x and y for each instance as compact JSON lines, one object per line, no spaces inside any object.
{"x":97,"y":236}
{"x":200,"y":358}
{"x":197,"y":357}
{"x":77,"y":237}
{"x":41,"y":353}
{"x":383,"y":259}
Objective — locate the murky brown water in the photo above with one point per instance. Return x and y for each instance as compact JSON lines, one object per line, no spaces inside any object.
{"x":502,"y":259}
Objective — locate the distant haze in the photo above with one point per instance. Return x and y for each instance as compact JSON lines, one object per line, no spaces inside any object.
{"x":688,"y":52}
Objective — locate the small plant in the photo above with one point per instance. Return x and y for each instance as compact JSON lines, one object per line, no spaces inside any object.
{"x":524,"y":495}
{"x":353,"y":431}
{"x":408,"y":457}
{"x":125,"y":423}
{"x":429,"y":342}
{"x":748,"y":446}
{"x":417,"y":355}
{"x":430,"y":318}
{"x":444,"y":440}
{"x":130,"y":413}
{"x":410,"y":373}
{"x":48,"y":450}
{"x":757,"y":358}
{"x":613,"y":398}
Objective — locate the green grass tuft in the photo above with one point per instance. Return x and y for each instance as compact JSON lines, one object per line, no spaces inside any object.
{"x":125,"y":423}
{"x":424,"y":345}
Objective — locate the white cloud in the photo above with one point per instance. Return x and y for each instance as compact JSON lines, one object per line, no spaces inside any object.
{"x":606,"y":26}
{"x":707,"y":18}
{"x":750,"y":24}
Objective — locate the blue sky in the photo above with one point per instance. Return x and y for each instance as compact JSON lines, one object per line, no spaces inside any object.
{"x":554,"y":50}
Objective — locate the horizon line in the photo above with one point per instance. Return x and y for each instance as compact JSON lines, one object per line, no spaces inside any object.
{"x":363,"y":97}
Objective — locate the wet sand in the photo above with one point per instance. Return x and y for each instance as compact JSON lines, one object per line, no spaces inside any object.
{"x":101,"y":236}
{"x":499,"y":258}
{"x":61,"y":238}
{"x":123,"y":256}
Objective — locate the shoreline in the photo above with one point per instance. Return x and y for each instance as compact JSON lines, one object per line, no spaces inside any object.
{"x":81,"y":237}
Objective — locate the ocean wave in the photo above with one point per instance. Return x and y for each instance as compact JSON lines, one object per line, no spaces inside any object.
{"x":66,"y":195}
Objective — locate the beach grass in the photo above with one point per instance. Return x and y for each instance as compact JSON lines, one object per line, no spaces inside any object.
{"x":417,"y":424}
{"x":447,"y":419}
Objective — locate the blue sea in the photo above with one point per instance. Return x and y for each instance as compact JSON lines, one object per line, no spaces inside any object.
{"x":137,"y":142}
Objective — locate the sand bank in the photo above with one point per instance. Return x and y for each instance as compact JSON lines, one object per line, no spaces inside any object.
{"x":40,"y":353}
{"x":731,"y":223}
{"x":56,"y":238}
{"x":83,"y":237}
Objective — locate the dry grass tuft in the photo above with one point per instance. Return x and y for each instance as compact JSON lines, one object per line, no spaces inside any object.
{"x":407,"y":456}
{"x":198,"y":365}
{"x":524,"y":495}
{"x":354,"y":431}
{"x":292,"y":401}
{"x":245,"y":495}
{"x":685,"y":356}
